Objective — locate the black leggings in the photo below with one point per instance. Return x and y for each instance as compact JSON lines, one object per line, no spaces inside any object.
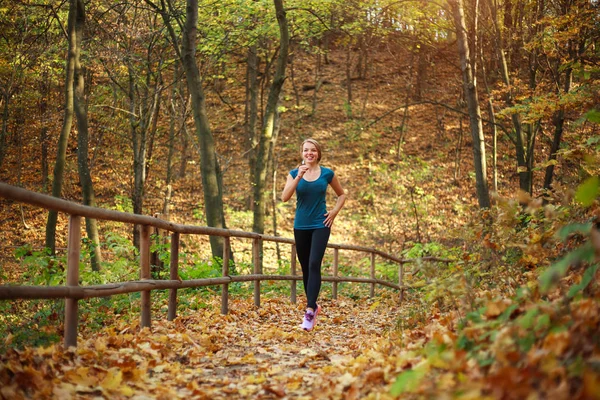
{"x":310,"y":247}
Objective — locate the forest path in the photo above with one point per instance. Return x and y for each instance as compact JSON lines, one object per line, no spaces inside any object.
{"x":249,"y":353}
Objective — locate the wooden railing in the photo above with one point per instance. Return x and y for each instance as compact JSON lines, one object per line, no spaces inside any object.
{"x":72,"y":292}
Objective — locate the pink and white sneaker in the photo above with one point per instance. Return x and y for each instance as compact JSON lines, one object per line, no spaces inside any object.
{"x":310,"y":319}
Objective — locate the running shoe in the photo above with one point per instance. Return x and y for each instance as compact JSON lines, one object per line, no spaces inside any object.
{"x":310,"y":319}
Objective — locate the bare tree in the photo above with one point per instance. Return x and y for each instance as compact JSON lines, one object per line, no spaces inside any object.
{"x":268,"y":134}
{"x":80,"y":108}
{"x":61,"y":152}
{"x":467,"y":66}
{"x":211,"y":173}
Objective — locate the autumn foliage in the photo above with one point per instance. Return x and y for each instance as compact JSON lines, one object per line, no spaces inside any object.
{"x":514,"y":315}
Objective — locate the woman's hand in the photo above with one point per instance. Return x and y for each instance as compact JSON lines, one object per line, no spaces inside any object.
{"x":329,"y":217}
{"x":302,"y":170}
{"x":337,"y":187}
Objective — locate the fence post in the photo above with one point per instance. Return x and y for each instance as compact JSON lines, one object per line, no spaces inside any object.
{"x":71,"y":306}
{"x":145,"y":273}
{"x":372,"y":294}
{"x":334,"y":289}
{"x":256,"y":248}
{"x":401,"y":281}
{"x":225,"y":286}
{"x":173,"y":275}
{"x":293,"y":271}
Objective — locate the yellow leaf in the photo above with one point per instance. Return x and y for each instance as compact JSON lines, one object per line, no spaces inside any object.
{"x":126,"y":391}
{"x":418,"y":284}
{"x":292,"y":385}
{"x":112,"y":380}
{"x":81,"y":376}
{"x":100,"y":344}
{"x":446,"y":381}
{"x":248,"y":359}
{"x":256,"y":380}
{"x":374,"y":306}
{"x":45,"y":351}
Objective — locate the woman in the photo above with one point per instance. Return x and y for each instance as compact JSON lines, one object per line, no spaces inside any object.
{"x":312,"y":224}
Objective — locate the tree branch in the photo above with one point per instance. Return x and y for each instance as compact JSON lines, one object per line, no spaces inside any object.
{"x":436,"y":103}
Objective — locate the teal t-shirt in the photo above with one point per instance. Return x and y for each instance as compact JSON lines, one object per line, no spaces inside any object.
{"x":310,"y":200}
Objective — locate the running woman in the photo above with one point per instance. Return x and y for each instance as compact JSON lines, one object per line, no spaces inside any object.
{"x":312,"y":223}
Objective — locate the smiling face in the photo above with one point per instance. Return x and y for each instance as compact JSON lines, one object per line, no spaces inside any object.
{"x":311,"y":152}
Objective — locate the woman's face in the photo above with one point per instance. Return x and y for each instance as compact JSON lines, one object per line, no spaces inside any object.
{"x":310,"y":154}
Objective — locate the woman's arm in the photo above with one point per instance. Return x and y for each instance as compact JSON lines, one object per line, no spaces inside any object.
{"x":337,"y":188}
{"x":290,"y":187}
{"x":292,"y":183}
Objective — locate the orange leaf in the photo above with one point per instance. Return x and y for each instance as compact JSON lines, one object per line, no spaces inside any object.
{"x":558,"y":342}
{"x":591,"y":384}
{"x":495,"y":308}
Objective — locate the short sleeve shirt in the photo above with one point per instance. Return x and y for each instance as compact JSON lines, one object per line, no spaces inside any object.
{"x":310,"y":200}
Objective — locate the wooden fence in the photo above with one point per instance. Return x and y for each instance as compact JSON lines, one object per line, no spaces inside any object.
{"x":72,"y":292}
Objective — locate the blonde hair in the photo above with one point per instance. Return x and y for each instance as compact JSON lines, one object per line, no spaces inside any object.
{"x":316,"y":144}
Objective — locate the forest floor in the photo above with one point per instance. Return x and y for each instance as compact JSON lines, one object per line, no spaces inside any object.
{"x":353,"y":352}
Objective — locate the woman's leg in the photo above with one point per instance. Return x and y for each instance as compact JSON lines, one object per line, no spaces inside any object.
{"x":303,"y":242}
{"x":319,"y":240}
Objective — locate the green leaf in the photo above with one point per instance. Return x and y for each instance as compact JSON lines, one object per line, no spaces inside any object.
{"x":571,"y":229}
{"x":557,"y":270}
{"x":543,"y":323}
{"x":525,"y":343}
{"x":408,"y":381}
{"x":593,"y":140}
{"x":527,"y":320}
{"x":507,"y":313}
{"x":593,"y":116}
{"x":587,"y":277}
{"x":588,"y":191}
{"x":548,"y":163}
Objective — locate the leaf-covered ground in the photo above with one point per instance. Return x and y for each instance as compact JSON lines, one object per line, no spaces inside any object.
{"x":360,"y":348}
{"x":249,"y":353}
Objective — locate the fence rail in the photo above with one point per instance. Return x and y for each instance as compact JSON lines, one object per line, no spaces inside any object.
{"x":72,"y":292}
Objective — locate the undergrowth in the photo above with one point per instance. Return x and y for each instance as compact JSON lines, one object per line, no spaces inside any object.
{"x":520,"y":299}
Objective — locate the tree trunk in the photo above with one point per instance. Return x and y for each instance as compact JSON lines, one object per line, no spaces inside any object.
{"x":173,"y":122}
{"x":422,"y":69}
{"x":138,"y":144}
{"x":520,"y":150}
{"x":4,"y":132}
{"x":270,"y":123}
{"x":63,"y":140}
{"x":492,"y":117}
{"x":349,"y":74}
{"x":293,"y":81}
{"x":80,"y":108}
{"x":317,"y":83}
{"x":211,"y":174}
{"x":44,"y":93}
{"x":559,"y":121}
{"x":470,"y":89}
{"x":252,"y":113}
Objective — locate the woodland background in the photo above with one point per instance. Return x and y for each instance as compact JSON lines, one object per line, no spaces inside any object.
{"x":472,"y":138}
